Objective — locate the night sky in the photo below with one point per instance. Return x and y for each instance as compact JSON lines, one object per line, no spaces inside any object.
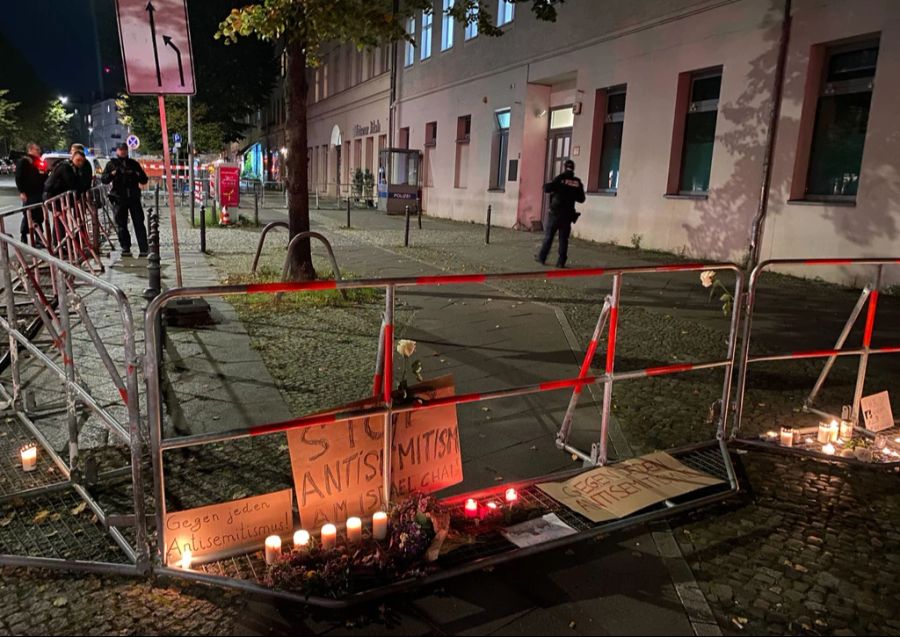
{"x":59,"y":39}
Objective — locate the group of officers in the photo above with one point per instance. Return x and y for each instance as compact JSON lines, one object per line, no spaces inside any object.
{"x":122,"y":174}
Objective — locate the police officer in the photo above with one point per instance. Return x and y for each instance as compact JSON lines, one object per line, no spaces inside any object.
{"x":565,"y":191}
{"x":66,"y":175}
{"x":30,"y":177}
{"x":127,"y":176}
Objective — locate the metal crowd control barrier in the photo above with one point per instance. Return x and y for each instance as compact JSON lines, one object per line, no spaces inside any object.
{"x":712,"y":457}
{"x":52,"y":288}
{"x":868,"y":299}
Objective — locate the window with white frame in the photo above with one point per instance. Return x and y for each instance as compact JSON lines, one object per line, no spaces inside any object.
{"x":500,"y":150}
{"x":410,"y":53}
{"x":471,"y":23}
{"x":427,"y":21}
{"x":506,"y":11}
{"x":447,"y":25}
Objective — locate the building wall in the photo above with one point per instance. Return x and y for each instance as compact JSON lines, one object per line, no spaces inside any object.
{"x":108,"y":129}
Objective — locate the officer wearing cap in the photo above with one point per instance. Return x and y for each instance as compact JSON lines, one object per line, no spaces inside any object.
{"x":127,"y":176}
{"x":565,"y":191}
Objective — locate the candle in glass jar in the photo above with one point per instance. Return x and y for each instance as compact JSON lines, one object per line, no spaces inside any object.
{"x":846,"y":430}
{"x":828,"y":432}
{"x":471,"y":508}
{"x":511,"y":496}
{"x":301,"y":540}
{"x":787,"y":437}
{"x":29,"y":458}
{"x":273,"y":549}
{"x":329,"y":536}
{"x":379,"y":525}
{"x":354,"y":530}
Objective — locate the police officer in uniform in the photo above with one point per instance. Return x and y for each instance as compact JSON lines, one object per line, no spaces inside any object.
{"x":127,"y":176}
{"x":565,"y":191}
{"x":30,"y":178}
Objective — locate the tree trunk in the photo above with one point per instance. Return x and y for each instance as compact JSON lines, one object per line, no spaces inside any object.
{"x":301,"y":266}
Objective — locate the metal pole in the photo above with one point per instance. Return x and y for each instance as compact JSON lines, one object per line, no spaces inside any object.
{"x":68,"y":362}
{"x":419,"y":213}
{"x":388,"y":389}
{"x":348,"y":212}
{"x":154,"y":272}
{"x":203,"y":220}
{"x":867,"y":342}
{"x":190,"y":127}
{"x":406,"y":232}
{"x":601,"y":454}
{"x":10,"y":310}
{"x":487,"y":227}
{"x":172,"y":216}
{"x":256,"y":203}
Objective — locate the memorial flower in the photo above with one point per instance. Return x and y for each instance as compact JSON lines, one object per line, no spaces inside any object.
{"x":406,"y":348}
{"x":708,"y":279}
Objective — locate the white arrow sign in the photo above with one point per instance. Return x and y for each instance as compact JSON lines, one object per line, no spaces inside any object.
{"x":156,"y":47}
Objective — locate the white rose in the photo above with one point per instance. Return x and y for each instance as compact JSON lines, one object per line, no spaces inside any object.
{"x":707,"y":277}
{"x":406,"y":347}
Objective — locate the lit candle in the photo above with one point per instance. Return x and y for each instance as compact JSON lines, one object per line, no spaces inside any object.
{"x":828,"y":432}
{"x":273,"y":549}
{"x":828,"y":449}
{"x":471,"y":508}
{"x":354,"y":530}
{"x":787,"y":437}
{"x":186,"y":558}
{"x":772,"y":435}
{"x":379,"y":525}
{"x":492,"y":507}
{"x":29,"y":458}
{"x":511,"y":496}
{"x":846,"y":431}
{"x":329,"y":536}
{"x":301,"y":540}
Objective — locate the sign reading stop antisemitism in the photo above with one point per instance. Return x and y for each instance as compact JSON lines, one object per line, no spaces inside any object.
{"x":156,"y":47}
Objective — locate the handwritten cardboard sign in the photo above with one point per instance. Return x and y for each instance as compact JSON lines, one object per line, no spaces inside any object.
{"x":219,"y":530}
{"x":615,"y":491}
{"x":338,"y":469}
{"x":876,"y":411}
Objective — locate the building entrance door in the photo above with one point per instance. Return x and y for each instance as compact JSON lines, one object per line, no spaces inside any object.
{"x":559,"y":147}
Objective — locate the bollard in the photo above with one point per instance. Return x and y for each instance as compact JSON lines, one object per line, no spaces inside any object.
{"x":406,"y":233}
{"x":487,"y":227}
{"x":154,"y":271}
{"x":348,"y":212}
{"x":317,"y":197}
{"x":255,"y":204}
{"x":419,"y":215}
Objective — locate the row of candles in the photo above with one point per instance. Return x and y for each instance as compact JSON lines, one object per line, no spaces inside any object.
{"x":828,"y":434}
{"x":474,"y":510}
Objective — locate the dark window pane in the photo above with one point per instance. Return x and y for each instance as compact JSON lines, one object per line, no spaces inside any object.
{"x":610,"y":155}
{"x":699,"y":134}
{"x":852,"y":65}
{"x":616,"y":103}
{"x":837,"y":146}
{"x":706,"y":88}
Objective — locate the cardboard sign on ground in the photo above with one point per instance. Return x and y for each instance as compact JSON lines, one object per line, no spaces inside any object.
{"x":877,"y":411}
{"x":615,"y":491}
{"x":338,"y":469}
{"x":219,"y":530}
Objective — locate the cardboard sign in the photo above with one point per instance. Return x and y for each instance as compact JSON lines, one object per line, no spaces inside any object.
{"x":612,"y":492}
{"x":219,"y":530}
{"x":338,"y":469}
{"x":156,"y":47}
{"x":876,"y":410}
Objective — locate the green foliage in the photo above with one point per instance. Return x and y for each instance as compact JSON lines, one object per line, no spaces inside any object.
{"x":358,"y":184}
{"x":7,"y":115}
{"x":369,"y":185}
{"x":141,"y":113}
{"x":54,"y":132}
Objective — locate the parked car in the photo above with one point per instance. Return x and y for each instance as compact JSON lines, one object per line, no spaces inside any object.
{"x":7,"y":167}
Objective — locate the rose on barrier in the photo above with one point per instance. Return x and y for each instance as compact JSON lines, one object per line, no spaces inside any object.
{"x":709,"y":280}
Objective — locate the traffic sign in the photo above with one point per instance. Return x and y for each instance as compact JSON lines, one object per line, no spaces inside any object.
{"x":176,"y":138}
{"x":156,"y":47}
{"x":133,"y":142}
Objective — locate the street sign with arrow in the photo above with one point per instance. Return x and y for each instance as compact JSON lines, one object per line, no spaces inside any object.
{"x":156,"y":47}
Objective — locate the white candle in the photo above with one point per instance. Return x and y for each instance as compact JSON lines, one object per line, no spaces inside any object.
{"x":29,"y":458}
{"x":511,"y":496}
{"x":828,"y":449}
{"x":379,"y":525}
{"x":301,"y":540}
{"x":828,"y":432}
{"x":329,"y":536}
{"x":186,"y":558}
{"x":846,"y":431}
{"x":471,"y":508}
{"x":354,"y":530}
{"x":787,"y":437}
{"x":273,"y":549}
